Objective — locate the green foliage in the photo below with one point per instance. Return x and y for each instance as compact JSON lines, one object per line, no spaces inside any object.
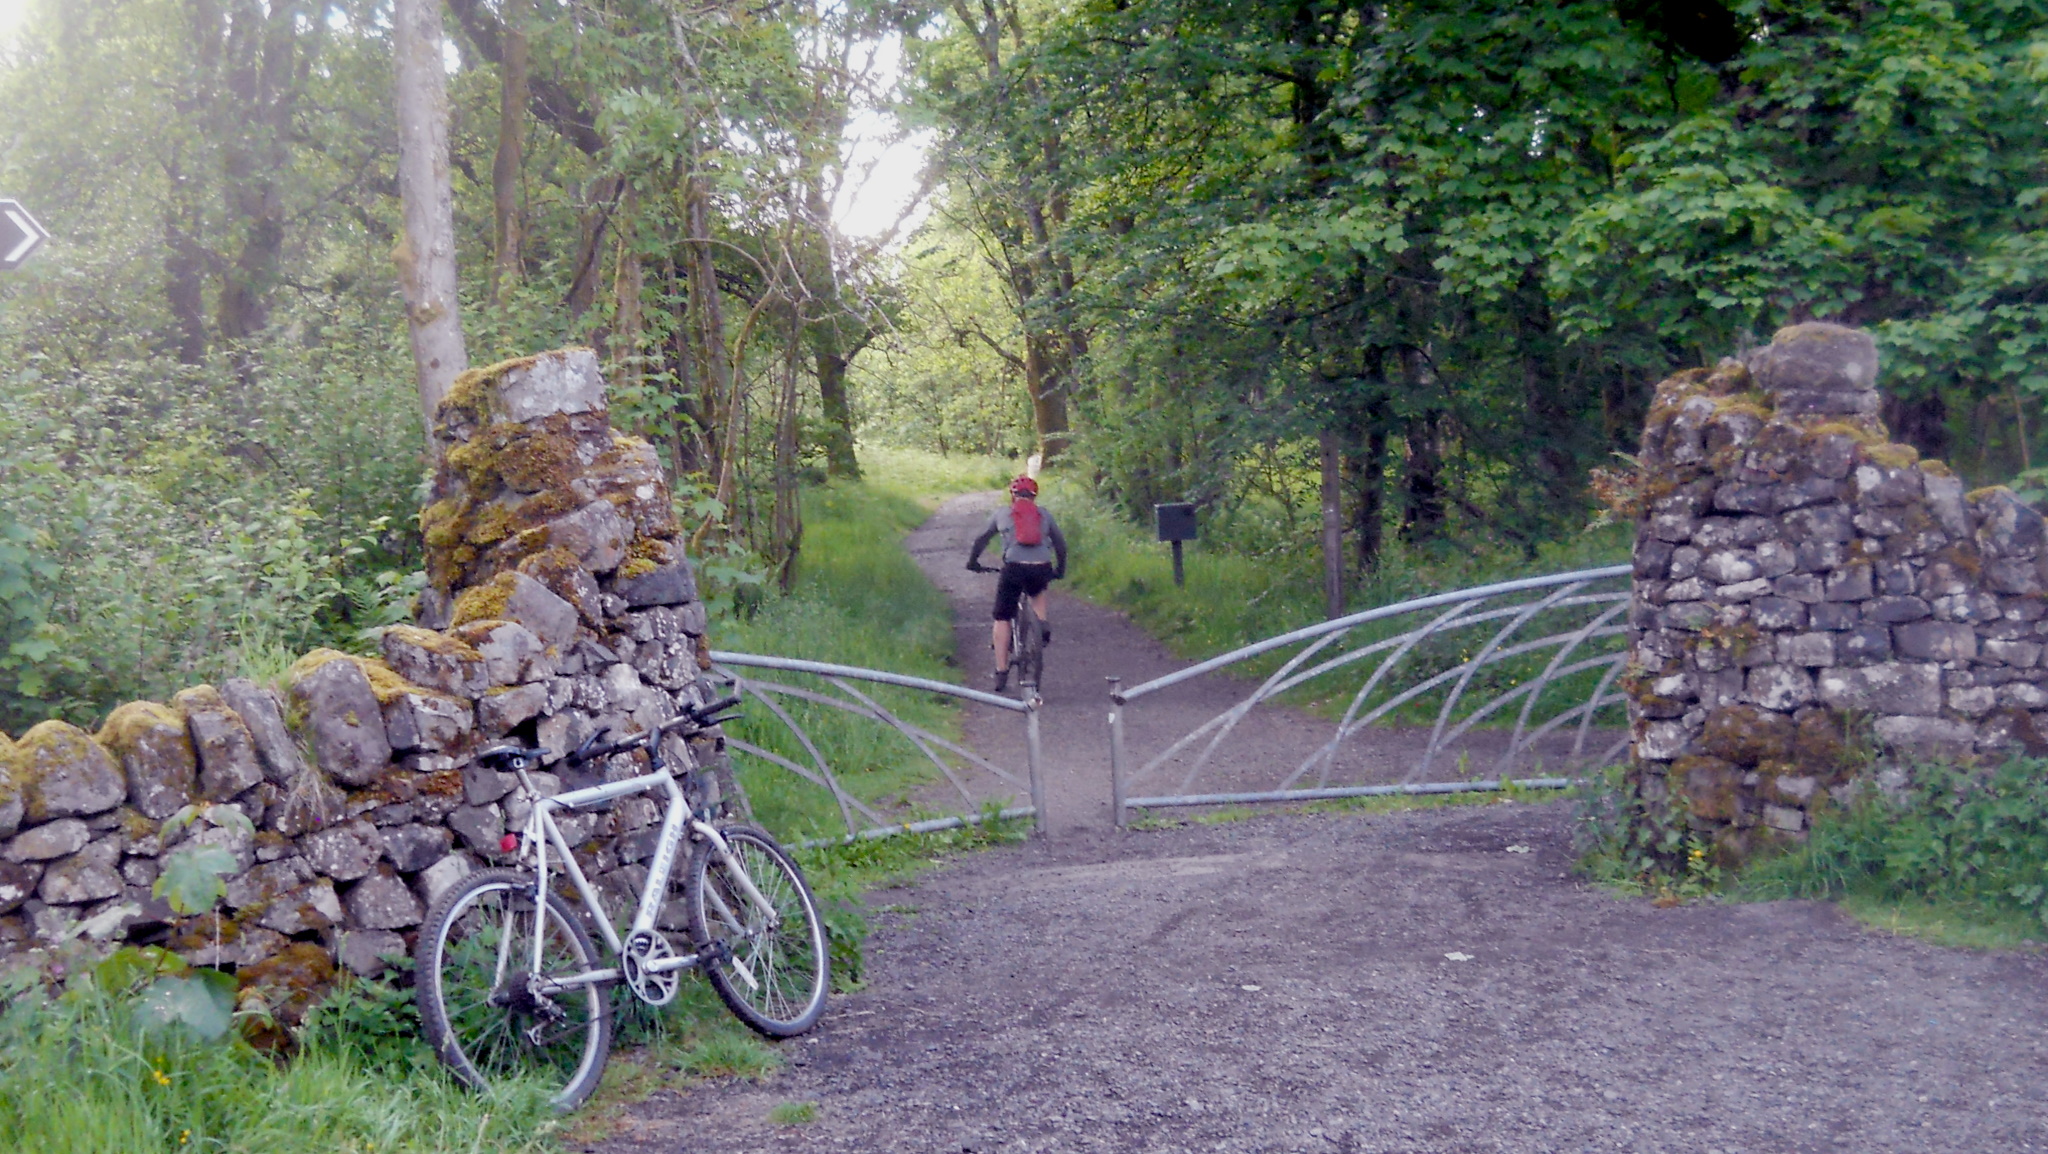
{"x":202,"y":1002}
{"x":945,"y":378}
{"x":846,"y":927}
{"x":1951,"y":840}
{"x":148,"y":569}
{"x":96,"y":1069}
{"x":374,"y":1021}
{"x":194,"y":878}
{"x":1263,"y":223}
{"x":1629,"y":845}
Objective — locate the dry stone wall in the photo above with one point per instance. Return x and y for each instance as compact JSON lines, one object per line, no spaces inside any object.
{"x":1812,"y":600}
{"x":561,"y":602}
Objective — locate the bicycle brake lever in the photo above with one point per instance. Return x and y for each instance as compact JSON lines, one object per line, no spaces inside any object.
{"x":584,"y":752}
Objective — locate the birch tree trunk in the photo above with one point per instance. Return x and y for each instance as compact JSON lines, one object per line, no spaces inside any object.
{"x":426,"y":252}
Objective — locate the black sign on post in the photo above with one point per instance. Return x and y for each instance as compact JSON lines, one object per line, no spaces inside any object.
{"x":20,"y":235}
{"x":1176,"y":522}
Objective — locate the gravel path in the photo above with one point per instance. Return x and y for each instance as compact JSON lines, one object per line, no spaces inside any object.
{"x":1423,"y":981}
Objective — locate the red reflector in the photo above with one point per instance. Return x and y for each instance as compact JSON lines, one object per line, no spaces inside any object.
{"x":509,"y":843}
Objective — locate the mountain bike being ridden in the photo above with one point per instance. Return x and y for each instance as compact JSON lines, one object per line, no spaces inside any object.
{"x":1034,"y":555}
{"x":509,"y":984}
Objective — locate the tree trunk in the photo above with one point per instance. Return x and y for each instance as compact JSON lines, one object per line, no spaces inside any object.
{"x":1550,"y":428}
{"x":185,"y":283}
{"x":255,"y":123}
{"x":716,"y":376}
{"x":1333,"y":526}
{"x":1422,"y":509}
{"x":628,"y":323}
{"x":786,"y":535}
{"x":508,"y":229}
{"x":1368,"y":480}
{"x":1422,"y":512}
{"x":1048,"y":396}
{"x":426,"y":254}
{"x":1921,"y":422}
{"x":591,"y":227}
{"x":840,"y":460}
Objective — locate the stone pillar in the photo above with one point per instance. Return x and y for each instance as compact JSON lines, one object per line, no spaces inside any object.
{"x":1812,"y":600}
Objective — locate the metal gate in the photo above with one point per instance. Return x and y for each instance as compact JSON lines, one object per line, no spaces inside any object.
{"x":1543,"y":651}
{"x":981,"y":785}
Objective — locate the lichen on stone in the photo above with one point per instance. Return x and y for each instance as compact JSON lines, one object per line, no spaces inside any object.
{"x":45,"y":742}
{"x":1892,"y":455}
{"x":470,"y":394}
{"x":130,"y":722}
{"x":385,"y":683}
{"x":481,"y":602}
{"x":434,"y":641}
{"x":304,"y":666}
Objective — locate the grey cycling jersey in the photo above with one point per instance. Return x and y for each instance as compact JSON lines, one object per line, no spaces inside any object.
{"x":1051,"y":544}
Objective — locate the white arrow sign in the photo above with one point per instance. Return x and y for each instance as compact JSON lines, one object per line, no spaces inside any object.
{"x":20,"y":235}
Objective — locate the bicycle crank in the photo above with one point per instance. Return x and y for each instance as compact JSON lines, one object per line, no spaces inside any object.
{"x":656,"y":987}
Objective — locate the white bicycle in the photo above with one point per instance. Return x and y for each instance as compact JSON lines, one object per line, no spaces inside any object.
{"x":509,"y":984}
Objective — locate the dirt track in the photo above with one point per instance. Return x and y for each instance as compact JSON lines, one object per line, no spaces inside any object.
{"x":1288,"y":983}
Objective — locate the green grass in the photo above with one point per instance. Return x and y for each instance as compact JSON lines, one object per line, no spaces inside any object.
{"x":83,"y":1074}
{"x":794,"y":1113}
{"x":1961,"y":924}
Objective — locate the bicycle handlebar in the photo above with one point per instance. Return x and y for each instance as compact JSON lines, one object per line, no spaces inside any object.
{"x":595,"y":748}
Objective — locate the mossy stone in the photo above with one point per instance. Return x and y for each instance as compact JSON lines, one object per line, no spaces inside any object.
{"x":1747,"y":735}
{"x":483,"y":602}
{"x":62,"y":772}
{"x":156,"y":755}
{"x":1710,"y":785}
{"x":288,"y":984}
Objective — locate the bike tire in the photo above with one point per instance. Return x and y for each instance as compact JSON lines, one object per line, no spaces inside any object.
{"x":789,"y":963}
{"x":1028,"y":646}
{"x":458,"y":969}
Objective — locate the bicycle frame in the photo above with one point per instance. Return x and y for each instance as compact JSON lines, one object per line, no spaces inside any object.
{"x":541,"y":831}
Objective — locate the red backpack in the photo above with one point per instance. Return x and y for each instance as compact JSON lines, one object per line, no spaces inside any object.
{"x":1030,"y":524}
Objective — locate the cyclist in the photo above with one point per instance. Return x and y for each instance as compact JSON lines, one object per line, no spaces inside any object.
{"x":1034,"y":555}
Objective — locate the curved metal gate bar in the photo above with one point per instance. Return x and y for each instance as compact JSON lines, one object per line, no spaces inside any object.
{"x":1579,"y":609}
{"x":948,"y":757}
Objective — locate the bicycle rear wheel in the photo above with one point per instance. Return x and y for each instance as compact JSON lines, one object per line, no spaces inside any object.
{"x":771,"y":972}
{"x":1028,"y":645}
{"x":482,"y":1011}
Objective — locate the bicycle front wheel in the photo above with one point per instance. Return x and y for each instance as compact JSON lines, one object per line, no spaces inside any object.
{"x":492,"y":1018}
{"x":769,"y":965}
{"x":1029,"y":645}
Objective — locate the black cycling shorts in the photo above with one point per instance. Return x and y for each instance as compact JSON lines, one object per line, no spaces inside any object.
{"x":1019,"y":580}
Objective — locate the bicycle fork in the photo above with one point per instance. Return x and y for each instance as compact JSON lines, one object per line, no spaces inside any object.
{"x":770,"y":915}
